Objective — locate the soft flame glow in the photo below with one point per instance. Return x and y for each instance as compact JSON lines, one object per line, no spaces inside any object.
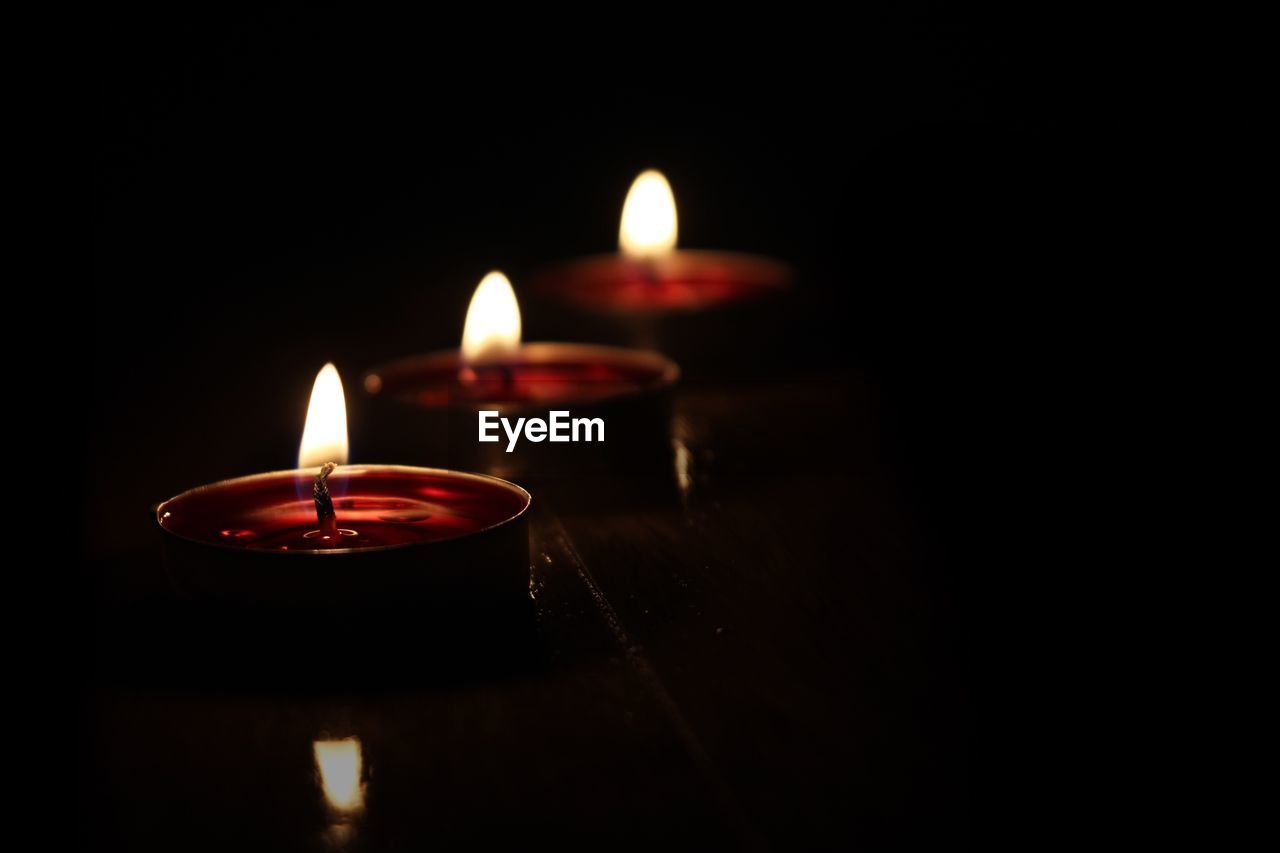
{"x":324,"y":438}
{"x":340,"y":763}
{"x":492,"y":330}
{"x":648,"y":227}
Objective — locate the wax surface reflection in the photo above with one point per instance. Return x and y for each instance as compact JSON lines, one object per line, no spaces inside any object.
{"x":376,"y":506}
{"x":649,"y":275}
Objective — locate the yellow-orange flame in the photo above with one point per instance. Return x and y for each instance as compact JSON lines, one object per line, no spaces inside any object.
{"x":492,"y":330}
{"x":648,"y":228}
{"x":324,"y":438}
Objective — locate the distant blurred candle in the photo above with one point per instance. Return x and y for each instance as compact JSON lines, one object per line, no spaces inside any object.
{"x":649,"y":274}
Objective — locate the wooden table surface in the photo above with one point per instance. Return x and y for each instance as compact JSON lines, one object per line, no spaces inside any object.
{"x":749,"y":649}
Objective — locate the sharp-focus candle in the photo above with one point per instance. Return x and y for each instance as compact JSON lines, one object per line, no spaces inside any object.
{"x":333,"y":532}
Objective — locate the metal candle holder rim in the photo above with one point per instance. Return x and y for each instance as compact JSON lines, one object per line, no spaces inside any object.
{"x":372,"y":549}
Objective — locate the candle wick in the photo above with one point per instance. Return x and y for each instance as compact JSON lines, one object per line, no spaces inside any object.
{"x":649,"y":271}
{"x":324,"y":502}
{"x":504,"y":373}
{"x":488,"y":373}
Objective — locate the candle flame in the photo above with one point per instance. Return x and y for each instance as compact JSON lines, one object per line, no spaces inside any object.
{"x":492,"y":330}
{"x":340,"y":764}
{"x":324,"y":438}
{"x":648,"y":228}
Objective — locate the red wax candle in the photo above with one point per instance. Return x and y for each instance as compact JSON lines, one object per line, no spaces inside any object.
{"x":426,"y":406}
{"x":376,"y":507}
{"x":333,"y":534}
{"x":681,"y":280}
{"x":534,"y":375}
{"x":649,"y":275}
{"x":403,"y":532}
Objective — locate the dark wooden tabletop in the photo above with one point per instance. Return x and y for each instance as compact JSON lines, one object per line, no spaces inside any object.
{"x":746,"y":649}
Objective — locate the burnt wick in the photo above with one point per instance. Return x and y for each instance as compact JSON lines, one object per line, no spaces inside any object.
{"x":504,"y":376}
{"x":324,"y":502}
{"x":500,"y":374}
{"x":650,"y":273}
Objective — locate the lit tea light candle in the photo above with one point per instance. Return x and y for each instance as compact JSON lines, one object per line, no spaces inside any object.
{"x":494,"y":371}
{"x":649,"y":274}
{"x":338,"y":532}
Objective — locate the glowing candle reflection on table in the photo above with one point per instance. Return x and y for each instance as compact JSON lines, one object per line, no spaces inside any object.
{"x":340,"y":767}
{"x":340,"y":764}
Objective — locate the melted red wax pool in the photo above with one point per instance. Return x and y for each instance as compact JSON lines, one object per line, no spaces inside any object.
{"x":529,"y":383}
{"x":540,"y":374}
{"x":682,"y":281}
{"x":374,"y":505}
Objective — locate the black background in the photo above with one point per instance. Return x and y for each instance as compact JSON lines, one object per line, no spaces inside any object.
{"x":286,"y":189}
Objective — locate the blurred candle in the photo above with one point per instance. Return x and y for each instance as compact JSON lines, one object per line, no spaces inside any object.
{"x":495,"y":370}
{"x":649,"y":275}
